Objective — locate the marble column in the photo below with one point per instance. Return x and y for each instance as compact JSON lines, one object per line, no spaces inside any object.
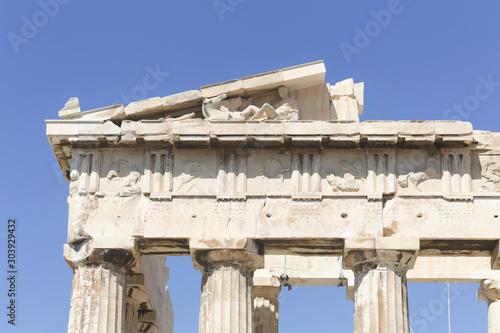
{"x":266,"y":309}
{"x":266,"y":290}
{"x":227,"y":283}
{"x":381,"y":297}
{"x":489,"y":291}
{"x":98,"y":299}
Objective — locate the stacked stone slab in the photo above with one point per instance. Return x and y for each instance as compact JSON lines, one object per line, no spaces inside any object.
{"x":367,"y":205}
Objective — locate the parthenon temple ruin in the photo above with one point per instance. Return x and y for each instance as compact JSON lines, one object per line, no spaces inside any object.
{"x":239,"y":174}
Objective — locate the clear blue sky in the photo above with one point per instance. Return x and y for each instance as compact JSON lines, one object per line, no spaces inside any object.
{"x":425,"y":61}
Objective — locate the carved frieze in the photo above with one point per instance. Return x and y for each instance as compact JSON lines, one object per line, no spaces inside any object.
{"x":220,"y":108}
{"x":268,"y":171}
{"x":123,"y":178}
{"x":349,"y":180}
{"x":490,"y":176}
{"x":416,"y":167}
{"x":193,"y":172}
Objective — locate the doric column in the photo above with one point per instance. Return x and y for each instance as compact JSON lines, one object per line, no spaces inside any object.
{"x":266,"y":305}
{"x":489,"y":291}
{"x":227,"y":286}
{"x":98,"y":299}
{"x":381,"y":298}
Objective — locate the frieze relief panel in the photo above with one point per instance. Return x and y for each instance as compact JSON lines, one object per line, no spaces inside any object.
{"x":486,"y":173}
{"x":269,"y":171}
{"x":344,"y":171}
{"x":418,"y":171}
{"x":122,"y":178}
{"x":195,"y":171}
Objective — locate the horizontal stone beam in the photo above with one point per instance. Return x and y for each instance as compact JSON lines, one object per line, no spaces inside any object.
{"x":203,"y":133}
{"x":327,"y":247}
{"x":327,"y":271}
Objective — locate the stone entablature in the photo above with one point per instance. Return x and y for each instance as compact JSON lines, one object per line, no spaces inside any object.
{"x":255,"y":173}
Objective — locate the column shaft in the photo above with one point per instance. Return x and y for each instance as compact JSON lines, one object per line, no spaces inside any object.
{"x":226,"y":301}
{"x":266,"y":309}
{"x":381,"y":302}
{"x":227,"y":285}
{"x":381,"y":296}
{"x":97,"y":300}
{"x":494,"y":317}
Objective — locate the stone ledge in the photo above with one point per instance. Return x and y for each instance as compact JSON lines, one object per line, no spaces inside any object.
{"x":206,"y":132}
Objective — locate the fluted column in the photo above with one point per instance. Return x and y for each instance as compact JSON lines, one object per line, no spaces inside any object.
{"x":381,"y":297}
{"x":489,"y":291}
{"x":98,"y":299}
{"x":266,"y":307}
{"x":266,"y":291}
{"x":227,"y":286}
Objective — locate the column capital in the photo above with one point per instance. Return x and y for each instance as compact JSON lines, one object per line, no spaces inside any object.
{"x":115,"y":253}
{"x":489,"y":291}
{"x":398,"y":254}
{"x":212,"y":253}
{"x":265,"y":284}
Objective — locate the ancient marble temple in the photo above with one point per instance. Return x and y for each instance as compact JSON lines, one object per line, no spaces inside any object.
{"x":241,"y":173}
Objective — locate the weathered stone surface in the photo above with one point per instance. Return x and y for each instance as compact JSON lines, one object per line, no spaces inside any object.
{"x":231,"y":88}
{"x":347,"y":100}
{"x":114,"y":112}
{"x":184,"y":99}
{"x":266,"y":304}
{"x":98,"y":300}
{"x":381,"y":298}
{"x":156,"y":275}
{"x":262,"y":82}
{"x":489,"y":291}
{"x":304,"y":76}
{"x":495,"y":257}
{"x":135,"y":297}
{"x":156,"y":179}
{"x":227,"y":284}
{"x":144,"y":107}
{"x":71,"y":109}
